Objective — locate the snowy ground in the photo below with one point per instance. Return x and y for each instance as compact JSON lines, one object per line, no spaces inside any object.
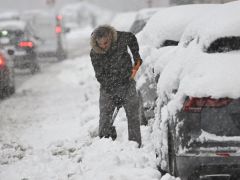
{"x":48,"y":131}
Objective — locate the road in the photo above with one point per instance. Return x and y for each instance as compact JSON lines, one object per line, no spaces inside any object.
{"x":22,"y":75}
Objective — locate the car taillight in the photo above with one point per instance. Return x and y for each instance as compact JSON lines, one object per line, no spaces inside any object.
{"x":223,"y":154}
{"x":59,"y":17}
{"x":2,"y":61}
{"x":28,"y":44}
{"x":196,"y":104}
{"x":58,"y":29}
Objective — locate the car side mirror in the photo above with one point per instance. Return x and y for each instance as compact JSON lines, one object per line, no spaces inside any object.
{"x":10,"y":52}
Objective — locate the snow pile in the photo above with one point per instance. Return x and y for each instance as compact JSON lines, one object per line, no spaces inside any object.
{"x":49,"y":131}
{"x":123,"y":21}
{"x":169,"y":23}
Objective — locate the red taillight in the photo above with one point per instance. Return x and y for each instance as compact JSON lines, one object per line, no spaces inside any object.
{"x":58,"y":29}
{"x":196,"y":104}
{"x":59,"y":17}
{"x":223,"y":154}
{"x":2,"y":61}
{"x":26,"y":44}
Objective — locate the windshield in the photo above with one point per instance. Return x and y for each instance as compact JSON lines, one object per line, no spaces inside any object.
{"x":224,"y":44}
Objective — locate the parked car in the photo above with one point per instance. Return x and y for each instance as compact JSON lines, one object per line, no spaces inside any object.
{"x":199,"y":100}
{"x":123,"y":21}
{"x":141,"y":19}
{"x":158,"y":43}
{"x":48,"y":27}
{"x":19,"y":35}
{"x":7,"y":83}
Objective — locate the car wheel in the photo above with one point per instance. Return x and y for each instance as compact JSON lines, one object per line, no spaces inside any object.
{"x":171,"y":154}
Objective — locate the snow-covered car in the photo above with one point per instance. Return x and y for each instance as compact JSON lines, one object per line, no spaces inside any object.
{"x":199,"y":100}
{"x":158,"y":43}
{"x":48,"y":27}
{"x":18,"y":35}
{"x":141,"y":19}
{"x":7,"y":83}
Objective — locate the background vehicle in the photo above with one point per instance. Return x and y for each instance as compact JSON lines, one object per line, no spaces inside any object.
{"x":7,"y":83}
{"x":9,"y":15}
{"x":141,"y":19}
{"x":18,"y":35}
{"x":48,"y":26}
{"x":199,"y":95}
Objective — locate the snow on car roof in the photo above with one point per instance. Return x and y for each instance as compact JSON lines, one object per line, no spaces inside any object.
{"x":223,"y":21}
{"x":9,"y":15}
{"x":13,"y":25}
{"x":169,"y":23}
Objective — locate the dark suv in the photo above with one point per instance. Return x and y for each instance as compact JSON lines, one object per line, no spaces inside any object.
{"x":18,"y":35}
{"x":204,"y":135}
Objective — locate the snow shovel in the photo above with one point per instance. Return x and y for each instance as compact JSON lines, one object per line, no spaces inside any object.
{"x":112,"y":130}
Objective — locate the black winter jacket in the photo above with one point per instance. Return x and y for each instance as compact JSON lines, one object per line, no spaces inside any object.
{"x":113,"y":68}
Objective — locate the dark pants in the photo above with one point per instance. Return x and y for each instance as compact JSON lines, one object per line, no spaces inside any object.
{"x":131,"y":106}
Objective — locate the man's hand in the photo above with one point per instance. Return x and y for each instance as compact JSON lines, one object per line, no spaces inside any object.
{"x":118,"y":101}
{"x":135,"y":69}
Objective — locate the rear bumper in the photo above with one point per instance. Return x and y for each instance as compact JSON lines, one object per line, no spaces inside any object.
{"x":22,"y":61}
{"x":206,"y":166}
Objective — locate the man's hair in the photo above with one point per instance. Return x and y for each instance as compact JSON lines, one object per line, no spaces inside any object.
{"x":100,"y":32}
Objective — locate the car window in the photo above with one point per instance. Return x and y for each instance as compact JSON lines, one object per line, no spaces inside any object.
{"x":224,"y":44}
{"x":137,"y":26}
{"x":170,"y":43}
